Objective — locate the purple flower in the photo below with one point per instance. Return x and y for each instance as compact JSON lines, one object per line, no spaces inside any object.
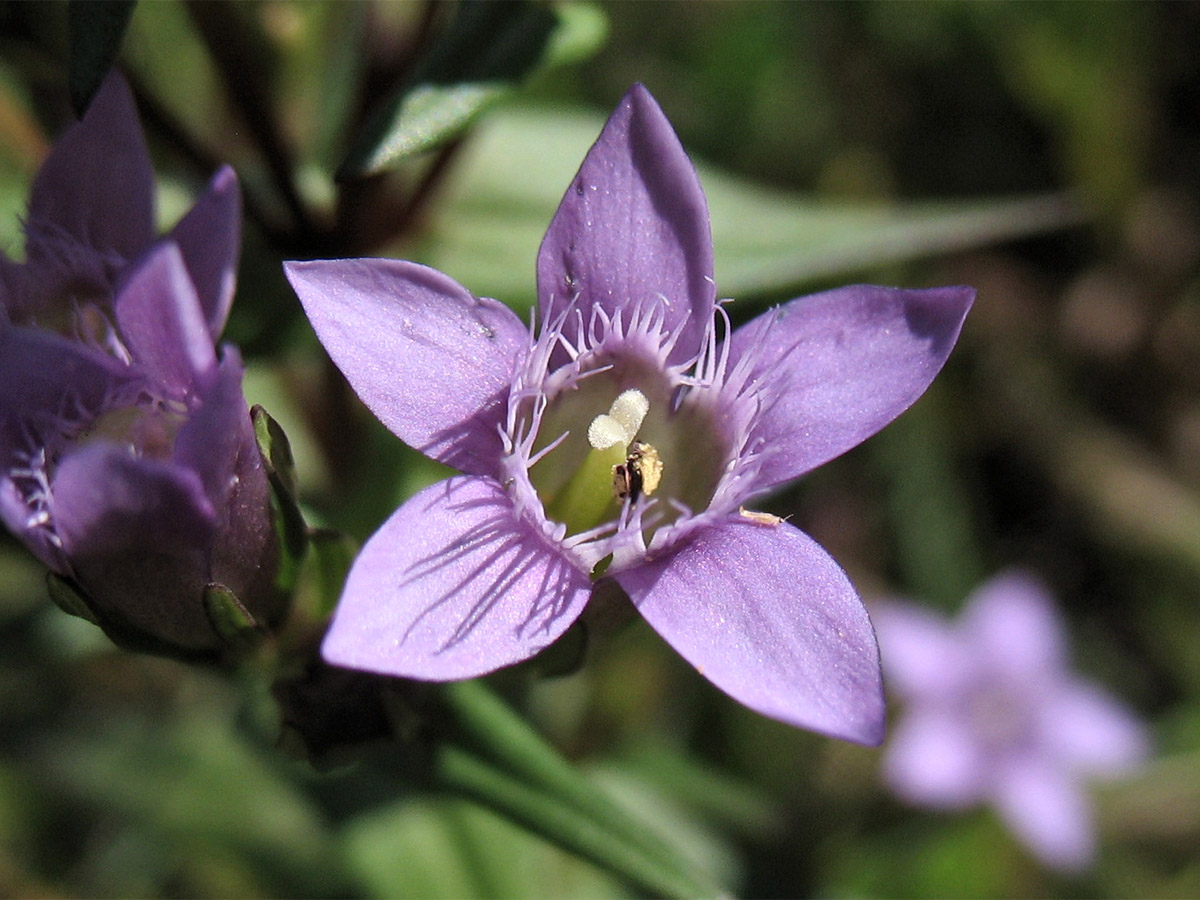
{"x":128,"y":463}
{"x":620,"y":444}
{"x":994,"y":715}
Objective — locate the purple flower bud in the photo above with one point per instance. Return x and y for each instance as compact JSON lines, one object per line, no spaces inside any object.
{"x":128,"y":461}
{"x":620,"y":442}
{"x":994,"y":715}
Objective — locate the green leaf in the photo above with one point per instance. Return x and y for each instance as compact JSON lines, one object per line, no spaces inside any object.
{"x":457,"y":849}
{"x":427,"y":115}
{"x":766,"y":241}
{"x":484,"y":54}
{"x":550,"y":796}
{"x":544,"y":813}
{"x":96,"y":28}
{"x":196,"y":791}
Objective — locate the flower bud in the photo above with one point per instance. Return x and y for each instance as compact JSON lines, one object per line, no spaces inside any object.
{"x":129,"y":464}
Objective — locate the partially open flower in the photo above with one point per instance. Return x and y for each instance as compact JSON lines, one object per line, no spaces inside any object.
{"x":128,"y":462}
{"x":620,"y":442}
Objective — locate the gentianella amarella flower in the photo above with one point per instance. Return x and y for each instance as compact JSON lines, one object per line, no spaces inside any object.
{"x":621,"y":443}
{"x":128,"y":462}
{"x":995,"y":715}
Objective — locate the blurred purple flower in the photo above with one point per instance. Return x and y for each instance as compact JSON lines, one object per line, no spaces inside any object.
{"x":620,"y":444}
{"x":994,"y":715}
{"x":128,"y":462}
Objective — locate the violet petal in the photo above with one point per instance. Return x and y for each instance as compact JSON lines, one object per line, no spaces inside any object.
{"x":452,"y":586}
{"x":767,"y":616}
{"x":161,"y":321}
{"x":209,"y":236}
{"x":1047,"y":809}
{"x":46,"y":377}
{"x":836,"y":367}
{"x":430,"y":360}
{"x":97,"y":184}
{"x":1090,"y":732}
{"x":923,"y":656}
{"x":633,"y":228}
{"x":934,"y":760}
{"x":101,"y":485}
{"x":137,"y":532}
{"x":218,"y":443}
{"x":216,"y":431}
{"x":1011,"y":623}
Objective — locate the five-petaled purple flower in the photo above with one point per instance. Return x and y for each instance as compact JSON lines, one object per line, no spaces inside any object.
{"x":994,"y":715}
{"x":620,"y":443}
{"x":128,"y":463}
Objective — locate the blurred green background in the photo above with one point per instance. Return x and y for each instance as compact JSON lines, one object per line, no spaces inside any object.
{"x":1047,"y":154}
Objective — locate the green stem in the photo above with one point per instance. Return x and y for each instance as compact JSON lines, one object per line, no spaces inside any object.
{"x":495,"y":731}
{"x":931,"y":506}
{"x":543,"y":814}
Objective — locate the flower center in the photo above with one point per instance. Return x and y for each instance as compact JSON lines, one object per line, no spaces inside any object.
{"x":1000,"y":719}
{"x":612,"y":469}
{"x":604,"y":460}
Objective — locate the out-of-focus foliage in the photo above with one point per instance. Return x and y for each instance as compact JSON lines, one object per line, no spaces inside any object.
{"x":899,"y":143}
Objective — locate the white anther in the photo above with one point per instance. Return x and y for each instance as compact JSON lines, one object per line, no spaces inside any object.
{"x":622,"y":421}
{"x":605,"y":431}
{"x":630,"y":409}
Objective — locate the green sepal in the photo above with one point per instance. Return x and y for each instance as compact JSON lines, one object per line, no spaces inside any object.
{"x":73,"y":600}
{"x":275,"y":447}
{"x":70,"y":599}
{"x":233,"y":623}
{"x":287,"y":520}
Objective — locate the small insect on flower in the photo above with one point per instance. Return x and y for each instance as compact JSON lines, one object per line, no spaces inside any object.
{"x":639,"y":474}
{"x":766,"y":520}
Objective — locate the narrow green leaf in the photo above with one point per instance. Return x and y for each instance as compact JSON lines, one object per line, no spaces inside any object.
{"x":427,"y":115}
{"x":545,"y":815}
{"x":495,"y":731}
{"x":96,"y":28}
{"x":484,"y":54}
{"x":766,"y":241}
{"x":457,"y":848}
